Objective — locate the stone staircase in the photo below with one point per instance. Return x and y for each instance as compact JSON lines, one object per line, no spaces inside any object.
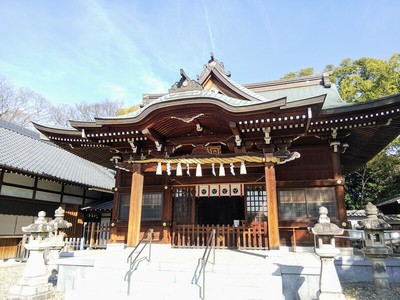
{"x":235,"y":275}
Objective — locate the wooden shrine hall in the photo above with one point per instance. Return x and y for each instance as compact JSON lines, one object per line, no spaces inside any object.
{"x":254,"y":161}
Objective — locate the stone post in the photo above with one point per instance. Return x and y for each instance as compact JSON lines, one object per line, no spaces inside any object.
{"x":324,"y":230}
{"x":33,"y":285}
{"x":375,"y":247}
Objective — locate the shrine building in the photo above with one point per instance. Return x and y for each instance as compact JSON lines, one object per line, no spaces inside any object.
{"x":253,"y":161}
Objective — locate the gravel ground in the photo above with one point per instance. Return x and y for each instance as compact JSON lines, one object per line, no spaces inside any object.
{"x":9,"y":275}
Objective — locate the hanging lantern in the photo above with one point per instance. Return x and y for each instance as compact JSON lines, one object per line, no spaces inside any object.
{"x":221,"y":170}
{"x":198,"y":170}
{"x":159,"y":169}
{"x":243,"y":170}
{"x":179,"y":170}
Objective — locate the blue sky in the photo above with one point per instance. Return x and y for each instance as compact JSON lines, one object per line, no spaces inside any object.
{"x":80,"y":50}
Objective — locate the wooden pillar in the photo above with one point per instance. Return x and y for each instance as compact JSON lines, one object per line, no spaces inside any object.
{"x":167,"y":216}
{"x":135,"y":206}
{"x":272,"y":199}
{"x":115,"y":210}
{"x":337,"y":175}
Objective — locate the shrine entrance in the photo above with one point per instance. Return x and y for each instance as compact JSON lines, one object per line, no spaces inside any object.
{"x":219,"y":210}
{"x":194,"y":218}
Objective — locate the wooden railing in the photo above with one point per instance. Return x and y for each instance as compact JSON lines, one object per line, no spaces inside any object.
{"x":96,"y":235}
{"x":227,"y":236}
{"x":22,"y":254}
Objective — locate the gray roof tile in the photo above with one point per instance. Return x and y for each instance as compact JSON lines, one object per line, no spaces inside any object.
{"x":332,"y":100}
{"x":27,"y":153}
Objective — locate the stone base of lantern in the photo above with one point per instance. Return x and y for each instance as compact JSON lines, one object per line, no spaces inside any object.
{"x":31,"y":292}
{"x":329,"y":284}
{"x":33,"y":285}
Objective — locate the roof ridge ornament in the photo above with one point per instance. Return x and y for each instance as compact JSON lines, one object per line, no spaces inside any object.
{"x":326,"y":79}
{"x":214,"y":63}
{"x":185,"y":84}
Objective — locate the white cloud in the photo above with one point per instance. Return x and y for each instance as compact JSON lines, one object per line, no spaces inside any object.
{"x":117,"y":92}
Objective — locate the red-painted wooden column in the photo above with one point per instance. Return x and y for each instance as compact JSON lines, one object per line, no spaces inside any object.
{"x":273,"y":220}
{"x":135,"y":208}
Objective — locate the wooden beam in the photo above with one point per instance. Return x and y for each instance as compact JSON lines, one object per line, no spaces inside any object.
{"x":135,"y":208}
{"x":185,"y":140}
{"x":154,"y":136}
{"x":236,"y":132}
{"x":272,"y":200}
{"x":234,"y":128}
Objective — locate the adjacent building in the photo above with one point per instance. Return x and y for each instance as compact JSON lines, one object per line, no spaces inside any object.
{"x":38,"y":175}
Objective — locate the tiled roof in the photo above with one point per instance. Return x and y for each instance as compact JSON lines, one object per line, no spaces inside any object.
{"x":102,"y":206}
{"x":257,"y":96}
{"x":356,"y":213}
{"x":360,"y":214}
{"x":25,"y":152}
{"x":332,"y":100}
{"x":389,"y":201}
{"x":193,"y":95}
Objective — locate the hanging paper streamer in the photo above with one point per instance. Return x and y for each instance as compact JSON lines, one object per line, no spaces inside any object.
{"x":243,"y":169}
{"x":159,"y":169}
{"x":221,"y":170}
{"x":198,"y":171}
{"x":179,"y":169}
{"x":187,"y":169}
{"x":213,"y":169}
{"x":168,"y":168}
{"x":232,"y":169}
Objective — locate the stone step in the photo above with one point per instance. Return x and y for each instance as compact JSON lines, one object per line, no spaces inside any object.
{"x":245,"y":279}
{"x":169,"y":291}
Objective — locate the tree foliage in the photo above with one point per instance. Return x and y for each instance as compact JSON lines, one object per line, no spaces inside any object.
{"x":377,"y":180}
{"x":367,"y":78}
{"x":85,"y":111}
{"x":124,"y":111}
{"x":300,"y":73}
{"x":22,"y":105}
{"x":363,"y":80}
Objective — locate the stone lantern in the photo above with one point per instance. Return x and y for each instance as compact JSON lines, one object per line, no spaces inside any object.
{"x":324,"y":230}
{"x":56,"y":238}
{"x":375,"y":247}
{"x":34,"y":281}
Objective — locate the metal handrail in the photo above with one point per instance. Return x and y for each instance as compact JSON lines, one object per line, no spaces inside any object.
{"x":132,"y":262}
{"x":203,"y":263}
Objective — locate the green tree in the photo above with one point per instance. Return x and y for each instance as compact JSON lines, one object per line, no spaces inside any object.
{"x":377,"y":180}
{"x":367,"y":78}
{"x":363,"y":80}
{"x":301,"y":73}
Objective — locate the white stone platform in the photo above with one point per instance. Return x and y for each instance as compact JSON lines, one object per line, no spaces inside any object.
{"x":236,"y":275}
